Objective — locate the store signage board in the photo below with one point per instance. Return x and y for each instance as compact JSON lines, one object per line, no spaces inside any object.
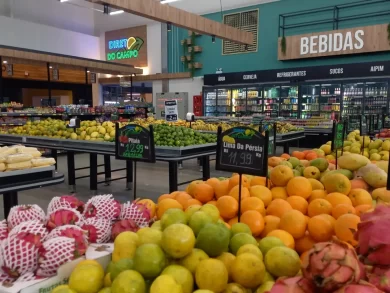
{"x":366,"y":69}
{"x":338,"y":135}
{"x":171,"y":112}
{"x":242,"y":150}
{"x":134,"y":142}
{"x":124,"y":48}
{"x":337,"y":42}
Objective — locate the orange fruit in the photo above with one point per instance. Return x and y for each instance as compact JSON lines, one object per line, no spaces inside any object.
{"x":286,"y":237}
{"x":182,"y":198}
{"x":192,"y":202}
{"x":329,"y":218}
{"x":233,"y":221}
{"x":361,"y":209}
{"x":336,"y":198}
{"x":262,"y":193}
{"x":167,"y":204}
{"x":307,"y":219}
{"x":345,"y":228}
{"x":293,"y":222}
{"x":298,"y":155}
{"x":234,"y":180}
{"x":320,"y":229}
{"x":319,"y":206}
{"x":315,"y":184}
{"x":285,"y":156}
{"x":298,"y":203}
{"x":270,"y":223}
{"x":175,"y":193}
{"x":254,"y":220}
{"x":311,"y":156}
{"x":213,"y":202}
{"x":360,"y":196}
{"x":317,"y":194}
{"x":279,"y":192}
{"x":164,"y":196}
{"x":359,"y":183}
{"x":191,"y":186}
{"x":299,"y":186}
{"x":278,"y":207}
{"x":203,"y":192}
{"x":212,"y":182}
{"x":227,"y":206}
{"x":274,"y":161}
{"x":342,"y":209}
{"x":253,"y":204}
{"x":234,"y":192}
{"x":304,"y":257}
{"x":257,"y":180}
{"x":281,"y":175}
{"x":304,"y":243}
{"x":222,"y":188}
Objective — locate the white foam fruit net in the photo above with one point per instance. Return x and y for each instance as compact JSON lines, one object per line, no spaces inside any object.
{"x":102,"y":206}
{"x":23,"y":213}
{"x":131,"y":211}
{"x":56,"y":204}
{"x":3,"y":229}
{"x":56,"y":252}
{"x":27,"y":277}
{"x":34,"y":227}
{"x":19,"y":257}
{"x":103,"y":229}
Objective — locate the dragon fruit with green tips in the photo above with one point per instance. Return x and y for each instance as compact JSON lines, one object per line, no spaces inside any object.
{"x":139,"y":213}
{"x":23,"y":213}
{"x":64,"y":216}
{"x":65,"y":201}
{"x":123,"y":226}
{"x":99,"y":230}
{"x":102,"y":206}
{"x":332,"y":265}
{"x":361,"y":287}
{"x":295,"y":285}
{"x":379,"y":276}
{"x":73,"y":232}
{"x":34,"y":227}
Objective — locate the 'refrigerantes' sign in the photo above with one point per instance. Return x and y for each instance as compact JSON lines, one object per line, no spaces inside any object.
{"x":338,"y":42}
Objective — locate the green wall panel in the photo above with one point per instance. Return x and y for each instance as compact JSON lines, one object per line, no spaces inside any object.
{"x":266,"y":56}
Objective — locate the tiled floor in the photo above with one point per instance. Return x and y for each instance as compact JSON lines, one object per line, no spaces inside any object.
{"x":152,"y":181}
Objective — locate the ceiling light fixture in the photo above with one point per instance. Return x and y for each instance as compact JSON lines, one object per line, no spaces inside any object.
{"x":5,"y":62}
{"x":168,"y":1}
{"x":213,"y":39}
{"x":169,"y":26}
{"x":116,"y":12}
{"x":63,"y":1}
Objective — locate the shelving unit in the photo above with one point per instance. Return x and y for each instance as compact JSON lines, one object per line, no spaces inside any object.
{"x":271,"y":101}
{"x":289,"y":104}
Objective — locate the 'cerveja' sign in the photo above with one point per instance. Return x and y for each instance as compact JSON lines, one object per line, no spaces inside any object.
{"x":124,"y":48}
{"x":338,"y":42}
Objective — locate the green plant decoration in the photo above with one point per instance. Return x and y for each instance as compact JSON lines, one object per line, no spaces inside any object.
{"x":184,"y":46}
{"x":192,"y":54}
{"x":283,"y":45}
{"x":388,"y":32}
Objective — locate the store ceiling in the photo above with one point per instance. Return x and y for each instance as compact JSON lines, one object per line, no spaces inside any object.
{"x":79,"y":16}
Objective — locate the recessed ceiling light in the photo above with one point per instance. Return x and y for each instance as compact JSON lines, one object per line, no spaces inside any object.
{"x":63,"y":1}
{"x":168,"y":1}
{"x":5,"y":62}
{"x":116,"y":12}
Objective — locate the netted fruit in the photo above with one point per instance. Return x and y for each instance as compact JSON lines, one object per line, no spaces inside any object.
{"x":35,"y":227}
{"x":3,"y":229}
{"x":102,"y":206}
{"x":373,"y":236}
{"x":122,"y":226}
{"x":63,"y":216}
{"x":137,"y":212}
{"x":361,"y":287}
{"x":55,"y":252}
{"x":65,"y":201}
{"x":296,"y":284}
{"x":74,"y":232}
{"x":23,"y":213}
{"x":99,"y":230}
{"x":331,"y":265}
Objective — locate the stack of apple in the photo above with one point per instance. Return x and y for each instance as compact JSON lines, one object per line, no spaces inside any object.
{"x":384,"y":133}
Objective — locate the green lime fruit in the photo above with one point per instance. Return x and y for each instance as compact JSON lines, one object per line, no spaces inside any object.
{"x":198,"y":220}
{"x":191,"y":260}
{"x":149,"y":235}
{"x":178,"y":240}
{"x":239,"y":240}
{"x":240,"y":228}
{"x":129,"y":282}
{"x":149,"y":260}
{"x":282,"y":261}
{"x":173,"y":216}
{"x":165,"y":284}
{"x":267,"y":243}
{"x":265,"y":287}
{"x":213,"y":239}
{"x":182,"y":276}
{"x":121,"y":265}
{"x":105,"y":290}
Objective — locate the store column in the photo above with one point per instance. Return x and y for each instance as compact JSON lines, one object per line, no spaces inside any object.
{"x":164,"y":57}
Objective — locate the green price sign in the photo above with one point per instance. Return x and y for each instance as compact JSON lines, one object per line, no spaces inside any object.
{"x":338,"y":140}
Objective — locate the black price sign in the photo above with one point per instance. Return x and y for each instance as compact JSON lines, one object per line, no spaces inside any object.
{"x":338,"y":135}
{"x":134,"y":142}
{"x":242,"y":150}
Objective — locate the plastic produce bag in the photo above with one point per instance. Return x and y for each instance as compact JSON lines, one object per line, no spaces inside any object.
{"x":2,"y":158}
{"x":43,"y":162}
{"x":5,"y":151}
{"x":19,"y":166}
{"x":2,"y":167}
{"x":16,"y":158}
{"x":25,"y":150}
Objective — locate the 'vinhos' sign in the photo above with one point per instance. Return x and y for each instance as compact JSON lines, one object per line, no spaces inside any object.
{"x":338,"y":42}
{"x":124,"y":48}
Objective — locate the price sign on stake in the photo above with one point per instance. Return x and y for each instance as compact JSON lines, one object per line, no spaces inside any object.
{"x":136,"y":143}
{"x":242,"y":150}
{"x":338,"y":137}
{"x":171,"y":111}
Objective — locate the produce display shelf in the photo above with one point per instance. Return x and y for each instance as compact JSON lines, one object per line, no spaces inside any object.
{"x":289,"y":135}
{"x":18,"y":114}
{"x":318,"y":130}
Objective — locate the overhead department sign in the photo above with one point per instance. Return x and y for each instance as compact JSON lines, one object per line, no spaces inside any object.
{"x":124,"y":48}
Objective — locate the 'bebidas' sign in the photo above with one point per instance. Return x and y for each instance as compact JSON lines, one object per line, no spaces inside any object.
{"x":339,"y":42}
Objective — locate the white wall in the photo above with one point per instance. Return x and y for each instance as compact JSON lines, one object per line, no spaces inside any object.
{"x":154,"y":47}
{"x":18,"y":33}
{"x":191,"y":85}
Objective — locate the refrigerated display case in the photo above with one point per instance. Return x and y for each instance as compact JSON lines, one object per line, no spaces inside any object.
{"x":289,"y":101}
{"x":210,"y":102}
{"x":330,"y":101}
{"x":254,"y":100}
{"x":272,"y":100}
{"x":375,"y":97}
{"x":353,"y":94}
{"x":310,"y":101}
{"x":238,"y":100}
{"x":224,"y":102}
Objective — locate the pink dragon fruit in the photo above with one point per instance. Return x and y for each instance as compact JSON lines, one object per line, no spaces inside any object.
{"x":65,"y":201}
{"x":99,"y":230}
{"x":361,"y":287}
{"x":20,"y":254}
{"x":64,"y":216}
{"x":102,"y":206}
{"x":373,"y":236}
{"x":74,"y":232}
{"x":137,"y":212}
{"x":379,"y":276}
{"x":122,"y":226}
{"x":23,"y":213}
{"x":3,"y":229}
{"x":35,"y":227}
{"x":54,"y":253}
{"x":332,"y":265}
{"x":295,"y":284}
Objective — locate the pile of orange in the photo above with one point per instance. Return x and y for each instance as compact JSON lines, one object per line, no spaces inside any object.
{"x":297,"y":210}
